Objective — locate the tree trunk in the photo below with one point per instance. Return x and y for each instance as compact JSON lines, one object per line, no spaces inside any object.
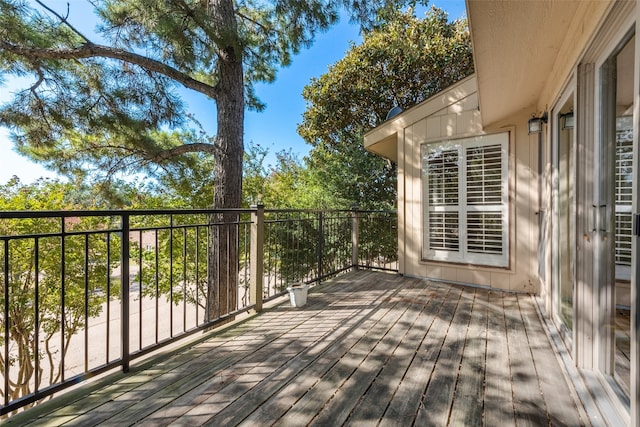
{"x":223,"y":239}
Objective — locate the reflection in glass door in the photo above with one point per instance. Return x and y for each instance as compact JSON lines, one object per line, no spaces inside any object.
{"x":564,"y":212}
{"x":613,"y":216}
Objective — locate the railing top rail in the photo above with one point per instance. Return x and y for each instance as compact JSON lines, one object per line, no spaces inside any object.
{"x":329,"y":210}
{"x":304,"y":210}
{"x":116,"y":212}
{"x":142,"y":212}
{"x":387,"y":211}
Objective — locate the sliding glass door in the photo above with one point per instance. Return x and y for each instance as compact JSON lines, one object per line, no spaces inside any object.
{"x":612,"y":211}
{"x":564,"y":243}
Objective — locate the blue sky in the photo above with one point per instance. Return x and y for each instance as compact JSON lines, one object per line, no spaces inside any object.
{"x":274,"y":128}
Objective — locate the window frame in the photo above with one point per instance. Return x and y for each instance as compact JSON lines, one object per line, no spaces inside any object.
{"x":463,"y":254}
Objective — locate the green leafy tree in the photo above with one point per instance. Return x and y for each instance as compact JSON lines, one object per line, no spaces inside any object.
{"x":255,"y":187}
{"x":288,"y":184}
{"x":354,"y":177}
{"x":100,"y":101}
{"x":400,"y":63}
{"x":34,"y":285}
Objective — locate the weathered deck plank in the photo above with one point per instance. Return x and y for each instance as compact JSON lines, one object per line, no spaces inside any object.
{"x":406,"y":399}
{"x":436,"y":401}
{"x":498,"y":400}
{"x":550,"y":377}
{"x":337,"y":372}
{"x":353,"y":399}
{"x":198,"y":406}
{"x":467,"y":406}
{"x":530,"y":407}
{"x":369,"y":348}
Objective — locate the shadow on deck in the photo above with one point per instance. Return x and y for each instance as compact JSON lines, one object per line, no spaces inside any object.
{"x":367,"y":348}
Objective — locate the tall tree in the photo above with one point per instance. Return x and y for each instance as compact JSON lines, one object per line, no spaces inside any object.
{"x":99,"y":102}
{"x":400,"y":63}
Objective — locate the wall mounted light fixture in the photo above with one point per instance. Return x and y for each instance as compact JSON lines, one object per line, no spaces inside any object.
{"x":567,"y":120}
{"x":535,"y":123}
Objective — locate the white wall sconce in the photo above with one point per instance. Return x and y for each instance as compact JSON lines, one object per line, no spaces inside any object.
{"x":535,"y":123}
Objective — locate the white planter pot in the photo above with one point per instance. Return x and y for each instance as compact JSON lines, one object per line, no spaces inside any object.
{"x":298,"y":294}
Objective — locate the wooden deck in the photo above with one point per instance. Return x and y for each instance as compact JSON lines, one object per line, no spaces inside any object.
{"x":368,"y":348}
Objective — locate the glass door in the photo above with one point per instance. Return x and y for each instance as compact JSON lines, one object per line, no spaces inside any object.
{"x":564,"y":237}
{"x":613,"y":212}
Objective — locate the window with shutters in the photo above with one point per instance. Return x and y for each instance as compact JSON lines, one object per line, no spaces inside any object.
{"x":466,"y":200}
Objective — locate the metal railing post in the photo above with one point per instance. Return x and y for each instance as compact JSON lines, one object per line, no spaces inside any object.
{"x":354,"y":237}
{"x":257,"y":256}
{"x":124,"y":278}
{"x":320,"y":244}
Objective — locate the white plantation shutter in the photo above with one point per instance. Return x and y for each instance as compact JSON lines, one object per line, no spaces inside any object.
{"x":484,"y":198}
{"x":466,"y":212}
{"x":443,"y":187}
{"x":484,"y":232}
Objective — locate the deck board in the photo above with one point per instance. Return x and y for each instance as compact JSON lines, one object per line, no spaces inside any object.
{"x":498,"y":400}
{"x":467,"y":407}
{"x":436,"y":401}
{"x":406,"y":400}
{"x":530,"y":407}
{"x":368,"y":348}
{"x":550,"y":376}
{"x":376,"y":378}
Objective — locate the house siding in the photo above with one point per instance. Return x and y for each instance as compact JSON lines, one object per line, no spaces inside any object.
{"x":459,"y":119}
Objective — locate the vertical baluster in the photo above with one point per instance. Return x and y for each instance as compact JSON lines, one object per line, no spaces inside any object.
{"x":125,"y":279}
{"x":354,"y":238}
{"x":157,"y":280}
{"x":62,"y":296}
{"x":228,"y":234}
{"x":275,"y":245}
{"x":309,"y":257}
{"x":197,"y":276}
{"x":184,"y":279}
{"x":219,"y":271}
{"x":86,"y":302}
{"x":320,"y":244}
{"x":269,"y":245}
{"x":140,"y":248}
{"x":209,"y":249}
{"x":36,"y":309}
{"x":171,"y":275}
{"x":108,"y":296}
{"x":299,"y":270}
{"x":246,"y":248}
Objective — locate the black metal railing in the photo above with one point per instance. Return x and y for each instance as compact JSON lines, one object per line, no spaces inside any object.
{"x":84,"y":292}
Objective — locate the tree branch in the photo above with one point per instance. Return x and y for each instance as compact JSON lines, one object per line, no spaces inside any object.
{"x":201,"y":24}
{"x":89,"y":50}
{"x":198,"y":147}
{"x":63,"y":19}
{"x":253,"y":21}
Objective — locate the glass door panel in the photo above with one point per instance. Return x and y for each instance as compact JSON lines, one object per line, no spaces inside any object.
{"x":564,"y":212}
{"x":613,"y":216}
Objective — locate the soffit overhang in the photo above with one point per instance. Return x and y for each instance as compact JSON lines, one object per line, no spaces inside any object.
{"x":523,"y":50}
